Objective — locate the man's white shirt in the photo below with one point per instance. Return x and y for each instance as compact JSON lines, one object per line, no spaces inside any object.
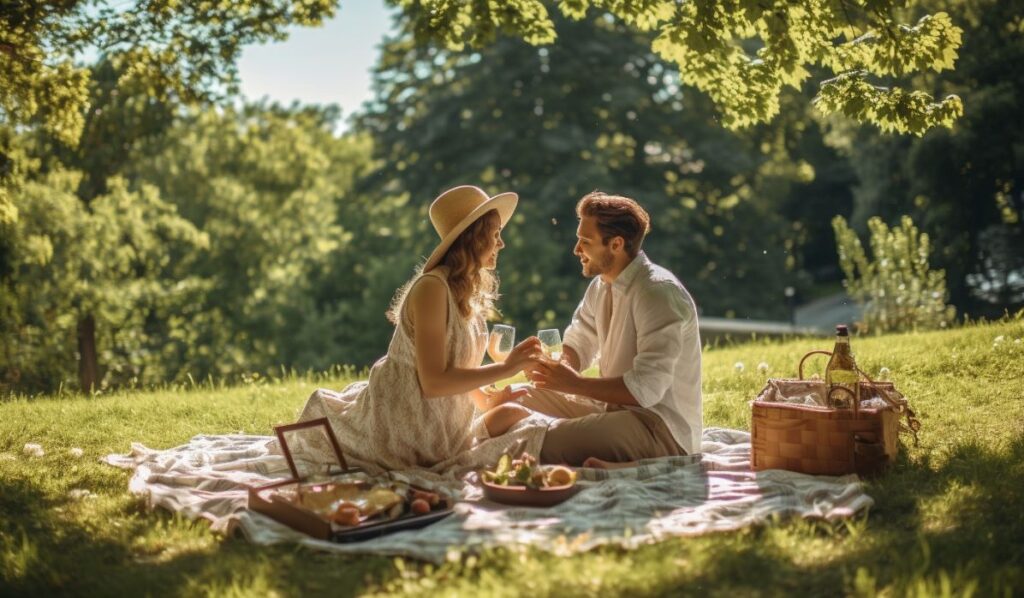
{"x":651,"y":340}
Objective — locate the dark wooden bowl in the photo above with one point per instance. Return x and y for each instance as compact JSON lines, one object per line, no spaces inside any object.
{"x":528,"y":497}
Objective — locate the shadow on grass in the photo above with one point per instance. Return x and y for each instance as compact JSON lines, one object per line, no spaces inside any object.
{"x":117,"y":552}
{"x":956,"y":516}
{"x":954,"y":521}
{"x":961,"y":516}
{"x":959,"y":520}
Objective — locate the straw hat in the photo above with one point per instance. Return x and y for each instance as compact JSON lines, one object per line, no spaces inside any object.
{"x":455,"y":209}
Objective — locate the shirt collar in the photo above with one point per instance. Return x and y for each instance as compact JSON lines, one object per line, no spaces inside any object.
{"x":630,"y":272}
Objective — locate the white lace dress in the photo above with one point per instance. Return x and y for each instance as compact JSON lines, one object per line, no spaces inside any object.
{"x":385,"y":423}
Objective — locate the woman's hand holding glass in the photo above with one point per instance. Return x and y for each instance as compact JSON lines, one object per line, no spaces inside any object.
{"x":525,"y":355}
{"x":501,"y":348}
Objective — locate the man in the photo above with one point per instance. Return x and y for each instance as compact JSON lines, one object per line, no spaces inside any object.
{"x":640,"y":324}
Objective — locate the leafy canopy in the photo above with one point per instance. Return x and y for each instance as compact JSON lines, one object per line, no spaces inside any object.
{"x":182,"y":49}
{"x":170,"y":50}
{"x":743,"y":52}
{"x":514,"y":116}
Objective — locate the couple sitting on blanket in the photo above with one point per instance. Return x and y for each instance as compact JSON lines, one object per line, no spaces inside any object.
{"x":427,"y":401}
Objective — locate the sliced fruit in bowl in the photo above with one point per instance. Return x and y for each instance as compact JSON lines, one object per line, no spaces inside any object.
{"x":523,"y":481}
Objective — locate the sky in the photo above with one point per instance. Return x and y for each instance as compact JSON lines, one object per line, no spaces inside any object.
{"x":327,"y":65}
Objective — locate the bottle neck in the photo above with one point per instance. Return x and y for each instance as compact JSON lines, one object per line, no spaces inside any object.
{"x":842,"y":351}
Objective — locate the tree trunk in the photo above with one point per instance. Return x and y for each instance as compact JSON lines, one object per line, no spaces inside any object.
{"x":88,"y":366}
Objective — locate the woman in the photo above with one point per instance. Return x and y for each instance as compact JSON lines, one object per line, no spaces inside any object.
{"x":417,"y":408}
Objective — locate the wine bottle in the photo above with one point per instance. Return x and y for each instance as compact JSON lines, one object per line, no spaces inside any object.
{"x":841,"y":371}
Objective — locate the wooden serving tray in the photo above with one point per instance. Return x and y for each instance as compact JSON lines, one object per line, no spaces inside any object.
{"x":268,"y":500}
{"x":265,"y":500}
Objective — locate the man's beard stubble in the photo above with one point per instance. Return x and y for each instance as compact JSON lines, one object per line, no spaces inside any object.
{"x":596,"y":268}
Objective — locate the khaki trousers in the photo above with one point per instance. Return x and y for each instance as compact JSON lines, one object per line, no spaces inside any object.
{"x":585,"y":430}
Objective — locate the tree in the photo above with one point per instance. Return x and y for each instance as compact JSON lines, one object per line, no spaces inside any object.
{"x":965,"y":187}
{"x":896,"y":286}
{"x":121,"y":266}
{"x":742,"y":53}
{"x":597,"y":109}
{"x":268,"y":186}
{"x":211,"y":254}
{"x":180,"y":51}
{"x":153,"y":58}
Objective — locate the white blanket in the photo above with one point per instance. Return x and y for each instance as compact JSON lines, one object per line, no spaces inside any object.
{"x":661,"y":498}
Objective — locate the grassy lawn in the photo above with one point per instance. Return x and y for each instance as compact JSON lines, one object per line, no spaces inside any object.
{"x":947,"y":518}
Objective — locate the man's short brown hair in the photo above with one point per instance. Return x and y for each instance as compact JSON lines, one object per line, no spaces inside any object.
{"x":616,"y":216}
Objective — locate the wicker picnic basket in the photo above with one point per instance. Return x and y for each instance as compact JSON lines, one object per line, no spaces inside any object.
{"x":816,"y":437}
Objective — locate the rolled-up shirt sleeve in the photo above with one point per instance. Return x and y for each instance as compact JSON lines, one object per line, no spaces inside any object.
{"x":662,"y":319}
{"x":581,"y":334}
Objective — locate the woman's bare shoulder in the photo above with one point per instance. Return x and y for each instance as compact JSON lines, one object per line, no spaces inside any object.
{"x":429,"y":290}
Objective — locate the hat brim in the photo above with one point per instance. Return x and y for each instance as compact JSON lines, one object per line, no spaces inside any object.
{"x":504,"y":203}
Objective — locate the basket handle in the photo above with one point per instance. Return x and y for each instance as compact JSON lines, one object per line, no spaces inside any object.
{"x":912,"y":425}
{"x":804,"y":358}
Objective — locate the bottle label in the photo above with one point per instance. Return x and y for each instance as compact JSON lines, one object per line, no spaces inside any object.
{"x":842,"y":377}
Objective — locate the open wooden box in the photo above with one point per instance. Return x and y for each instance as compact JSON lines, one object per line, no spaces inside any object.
{"x":327,"y":472}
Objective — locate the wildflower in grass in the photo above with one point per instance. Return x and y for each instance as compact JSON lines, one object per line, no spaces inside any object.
{"x":34,"y":450}
{"x":763,"y":367}
{"x":1016,"y":341}
{"x":998,"y":340}
{"x":80,"y":494}
{"x":76,"y":452}
{"x":738,"y":367}
{"x":884,"y":372}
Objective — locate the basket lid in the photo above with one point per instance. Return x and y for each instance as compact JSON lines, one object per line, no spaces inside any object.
{"x":310,"y":448}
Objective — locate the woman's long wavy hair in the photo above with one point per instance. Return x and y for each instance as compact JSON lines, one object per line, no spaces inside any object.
{"x":474,"y":288}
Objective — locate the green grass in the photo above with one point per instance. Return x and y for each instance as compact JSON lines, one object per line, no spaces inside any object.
{"x":947,"y":519}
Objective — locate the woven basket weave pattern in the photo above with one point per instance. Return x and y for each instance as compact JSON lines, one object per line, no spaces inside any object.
{"x":821,"y":440}
{"x":817,"y":440}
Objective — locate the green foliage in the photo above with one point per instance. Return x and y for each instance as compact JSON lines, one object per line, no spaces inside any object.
{"x":173,"y":51}
{"x":183,"y":49}
{"x":38,"y":77}
{"x":896,"y":286}
{"x":213,"y":261}
{"x":272,"y":188}
{"x":742,"y":53}
{"x":964,"y":186}
{"x":554,"y":135}
{"x":15,"y":165}
{"x":299,"y":238}
{"x":893,"y":110}
{"x":456,"y":23}
{"x":122,"y":260}
{"x":946,"y":516}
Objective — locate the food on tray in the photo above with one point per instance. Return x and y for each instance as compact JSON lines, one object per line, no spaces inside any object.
{"x":346,"y":515}
{"x":419,"y":506}
{"x":525,"y":471}
{"x":352,"y":503}
{"x":432,"y":498}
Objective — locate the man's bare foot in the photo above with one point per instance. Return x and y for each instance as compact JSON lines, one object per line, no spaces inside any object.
{"x":595,"y":463}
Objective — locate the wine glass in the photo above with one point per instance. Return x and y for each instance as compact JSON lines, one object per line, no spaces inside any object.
{"x":551,"y":343}
{"x":501,"y":342}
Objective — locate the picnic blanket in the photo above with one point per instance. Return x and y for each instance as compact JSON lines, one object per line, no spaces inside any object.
{"x":660,"y":498}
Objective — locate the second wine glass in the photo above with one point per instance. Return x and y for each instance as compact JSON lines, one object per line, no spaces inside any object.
{"x":551,"y":343}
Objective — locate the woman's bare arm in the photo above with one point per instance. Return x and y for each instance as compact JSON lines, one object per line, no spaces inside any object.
{"x":428,"y":302}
